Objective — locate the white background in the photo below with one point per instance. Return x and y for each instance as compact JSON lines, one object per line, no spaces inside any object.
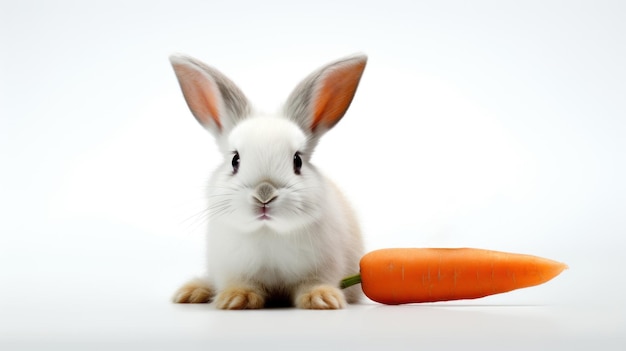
{"x":490,"y":124}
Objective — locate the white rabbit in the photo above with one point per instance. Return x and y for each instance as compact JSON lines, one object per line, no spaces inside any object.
{"x":279,"y":231}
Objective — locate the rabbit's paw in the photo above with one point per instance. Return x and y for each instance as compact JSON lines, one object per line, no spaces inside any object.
{"x":239,"y":298}
{"x":195,"y":291}
{"x":321,"y":297}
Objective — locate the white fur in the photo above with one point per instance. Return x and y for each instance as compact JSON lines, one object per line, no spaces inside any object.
{"x":304,"y":233}
{"x":306,"y":239}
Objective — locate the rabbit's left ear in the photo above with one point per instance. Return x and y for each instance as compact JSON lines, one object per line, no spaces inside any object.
{"x":216,"y":102}
{"x":322,"y":99}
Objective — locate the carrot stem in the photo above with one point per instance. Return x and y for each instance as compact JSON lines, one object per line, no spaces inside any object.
{"x":349,"y":281}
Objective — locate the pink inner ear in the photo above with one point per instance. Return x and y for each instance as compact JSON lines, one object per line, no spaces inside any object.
{"x":201,"y":95}
{"x":335,"y":94}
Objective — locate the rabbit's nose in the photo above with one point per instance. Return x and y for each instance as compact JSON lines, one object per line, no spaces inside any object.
{"x":265,"y":193}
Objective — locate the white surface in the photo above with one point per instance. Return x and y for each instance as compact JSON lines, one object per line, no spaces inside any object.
{"x":487,"y":124}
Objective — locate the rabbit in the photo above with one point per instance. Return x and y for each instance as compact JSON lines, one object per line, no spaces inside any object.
{"x":279,"y":231}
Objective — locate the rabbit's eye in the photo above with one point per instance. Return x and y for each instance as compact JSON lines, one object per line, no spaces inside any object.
{"x":297,"y":163}
{"x":235,"y":162}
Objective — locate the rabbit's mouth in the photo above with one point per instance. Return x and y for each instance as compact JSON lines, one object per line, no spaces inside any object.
{"x":264,"y":195}
{"x":264,"y":213}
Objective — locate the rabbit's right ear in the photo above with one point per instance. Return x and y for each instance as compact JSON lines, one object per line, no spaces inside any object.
{"x":215,"y":101}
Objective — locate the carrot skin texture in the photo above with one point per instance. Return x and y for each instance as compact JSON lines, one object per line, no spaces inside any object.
{"x":414,"y":275}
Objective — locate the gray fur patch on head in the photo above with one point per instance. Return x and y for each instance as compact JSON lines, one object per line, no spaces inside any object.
{"x":265,"y":192}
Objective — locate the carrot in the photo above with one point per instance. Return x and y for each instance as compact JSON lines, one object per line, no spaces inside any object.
{"x":409,"y":275}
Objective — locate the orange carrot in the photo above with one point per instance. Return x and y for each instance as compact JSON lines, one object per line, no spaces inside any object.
{"x":406,"y":275}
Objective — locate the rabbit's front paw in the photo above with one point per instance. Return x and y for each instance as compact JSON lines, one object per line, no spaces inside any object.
{"x":195,"y":291}
{"x":239,"y":298}
{"x":321,"y":297}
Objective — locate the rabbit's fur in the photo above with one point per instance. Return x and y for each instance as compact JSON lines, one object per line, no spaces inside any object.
{"x":279,"y":231}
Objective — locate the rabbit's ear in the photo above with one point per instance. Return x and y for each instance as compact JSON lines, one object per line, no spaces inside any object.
{"x":213,"y":99}
{"x":322,"y":98}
